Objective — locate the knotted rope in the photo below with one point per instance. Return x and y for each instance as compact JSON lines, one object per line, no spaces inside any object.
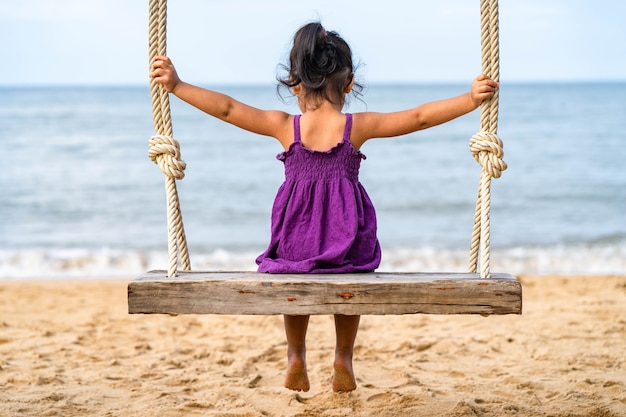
{"x":164,"y":149}
{"x":486,"y":146}
{"x":165,"y":152}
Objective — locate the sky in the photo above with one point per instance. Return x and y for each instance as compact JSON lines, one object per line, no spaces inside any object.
{"x":104,"y":42}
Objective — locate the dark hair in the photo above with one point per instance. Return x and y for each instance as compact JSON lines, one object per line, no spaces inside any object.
{"x":322,"y":62}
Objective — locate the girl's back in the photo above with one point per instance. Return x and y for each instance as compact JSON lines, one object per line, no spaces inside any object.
{"x":322,"y":220}
{"x":320,"y":130}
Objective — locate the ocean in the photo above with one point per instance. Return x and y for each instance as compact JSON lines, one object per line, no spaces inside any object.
{"x":80,"y":197}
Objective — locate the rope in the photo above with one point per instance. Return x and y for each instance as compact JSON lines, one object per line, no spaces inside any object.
{"x":164,"y":149}
{"x":486,"y":146}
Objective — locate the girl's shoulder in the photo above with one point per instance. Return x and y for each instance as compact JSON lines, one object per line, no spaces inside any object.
{"x":285,"y":130}
{"x":363,"y":123}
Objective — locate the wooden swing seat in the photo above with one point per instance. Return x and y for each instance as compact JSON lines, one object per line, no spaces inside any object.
{"x":377,"y":293}
{"x":301,"y":294}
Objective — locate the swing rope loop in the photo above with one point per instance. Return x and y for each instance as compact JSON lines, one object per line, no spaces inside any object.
{"x":486,"y":146}
{"x":164,"y":149}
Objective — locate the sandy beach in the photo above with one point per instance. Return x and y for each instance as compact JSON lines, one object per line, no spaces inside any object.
{"x":69,"y":348}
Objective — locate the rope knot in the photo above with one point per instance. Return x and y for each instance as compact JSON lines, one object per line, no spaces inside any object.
{"x":487,"y":149}
{"x":165,"y":152}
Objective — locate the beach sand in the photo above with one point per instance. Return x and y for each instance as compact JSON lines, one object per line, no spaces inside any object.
{"x":69,"y":348}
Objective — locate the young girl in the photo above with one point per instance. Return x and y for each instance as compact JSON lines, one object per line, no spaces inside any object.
{"x":322,"y":219}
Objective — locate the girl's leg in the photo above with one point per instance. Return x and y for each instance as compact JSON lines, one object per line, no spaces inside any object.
{"x":346,"y":328}
{"x":295,"y":329}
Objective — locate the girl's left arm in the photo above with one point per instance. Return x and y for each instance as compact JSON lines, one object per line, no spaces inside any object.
{"x":264,"y":122}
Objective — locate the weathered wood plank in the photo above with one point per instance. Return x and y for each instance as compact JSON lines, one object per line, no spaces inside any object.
{"x":372,"y":293}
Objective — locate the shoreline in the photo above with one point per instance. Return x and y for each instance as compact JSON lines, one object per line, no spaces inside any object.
{"x":105,"y":263}
{"x":68,"y":347}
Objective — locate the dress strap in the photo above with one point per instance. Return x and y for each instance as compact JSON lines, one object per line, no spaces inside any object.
{"x":348,"y":128}
{"x":296,"y":128}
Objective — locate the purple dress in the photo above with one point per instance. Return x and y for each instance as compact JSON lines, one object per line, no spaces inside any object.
{"x":322,"y":219}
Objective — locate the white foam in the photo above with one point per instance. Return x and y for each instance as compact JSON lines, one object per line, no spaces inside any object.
{"x":106,"y":263}
{"x":109,"y":263}
{"x":575,"y":260}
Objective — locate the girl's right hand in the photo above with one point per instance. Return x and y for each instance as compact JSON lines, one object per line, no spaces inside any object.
{"x":164,"y":73}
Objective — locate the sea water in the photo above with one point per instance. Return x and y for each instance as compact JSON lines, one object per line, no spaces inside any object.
{"x":80,"y":197}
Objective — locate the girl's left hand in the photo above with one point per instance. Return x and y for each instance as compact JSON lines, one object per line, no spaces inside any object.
{"x":483,"y":88}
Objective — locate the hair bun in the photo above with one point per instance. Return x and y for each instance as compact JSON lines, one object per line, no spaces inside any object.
{"x":321,"y":61}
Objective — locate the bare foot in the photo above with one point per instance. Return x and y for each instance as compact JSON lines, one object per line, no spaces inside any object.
{"x":343,"y":379}
{"x":297,"y":378}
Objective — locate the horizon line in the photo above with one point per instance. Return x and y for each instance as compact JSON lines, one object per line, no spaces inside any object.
{"x":264,"y":84}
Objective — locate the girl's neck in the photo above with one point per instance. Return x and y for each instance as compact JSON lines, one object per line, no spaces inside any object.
{"x":326,"y":107}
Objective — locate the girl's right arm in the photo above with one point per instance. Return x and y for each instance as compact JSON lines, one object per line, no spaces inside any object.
{"x":264,"y":122}
{"x":382,"y":125}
